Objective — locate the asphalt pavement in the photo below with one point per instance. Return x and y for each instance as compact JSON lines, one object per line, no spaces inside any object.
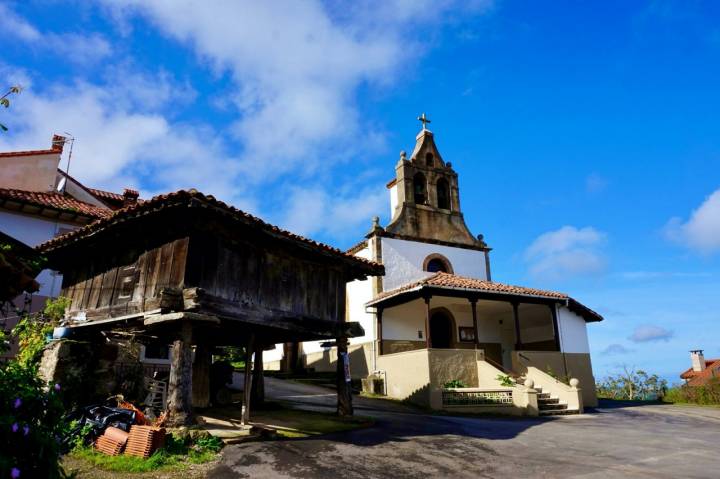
{"x":634,"y":441}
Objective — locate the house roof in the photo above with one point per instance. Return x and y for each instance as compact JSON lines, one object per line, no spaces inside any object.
{"x":52,"y":200}
{"x":451,"y":282}
{"x":698,"y":378}
{"x":192,"y":198}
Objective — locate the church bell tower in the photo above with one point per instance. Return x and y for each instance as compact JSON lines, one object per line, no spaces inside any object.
{"x":425,"y":198}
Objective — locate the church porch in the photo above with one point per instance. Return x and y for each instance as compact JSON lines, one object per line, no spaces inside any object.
{"x":433,"y":332}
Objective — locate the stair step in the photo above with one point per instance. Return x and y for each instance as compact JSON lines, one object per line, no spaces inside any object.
{"x":552,"y":407}
{"x":558,"y":412}
{"x":548,"y":400}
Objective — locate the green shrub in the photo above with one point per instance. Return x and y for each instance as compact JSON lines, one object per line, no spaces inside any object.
{"x":707,"y":394}
{"x":31,"y":424}
{"x":505,"y":380}
{"x":455,"y":383}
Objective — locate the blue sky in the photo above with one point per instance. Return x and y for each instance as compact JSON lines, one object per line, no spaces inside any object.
{"x":585,"y":133}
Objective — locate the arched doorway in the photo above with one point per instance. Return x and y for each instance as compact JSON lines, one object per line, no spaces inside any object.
{"x":441,"y":330}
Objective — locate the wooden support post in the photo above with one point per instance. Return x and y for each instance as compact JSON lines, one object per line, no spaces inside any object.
{"x":344,"y":387}
{"x":180,"y":384}
{"x":258,"y":379}
{"x":379,"y":331}
{"x":427,"y":322}
{"x":473,"y":306}
{"x":247,"y":384}
{"x":553,"y":311}
{"x":516,"y":318}
{"x":201,"y":376}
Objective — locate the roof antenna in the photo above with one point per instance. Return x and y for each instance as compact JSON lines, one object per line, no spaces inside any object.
{"x":69,"y":139}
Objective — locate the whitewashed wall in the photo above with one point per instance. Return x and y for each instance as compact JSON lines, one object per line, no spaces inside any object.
{"x":32,"y":231}
{"x":573,"y":332}
{"x":403,"y":261}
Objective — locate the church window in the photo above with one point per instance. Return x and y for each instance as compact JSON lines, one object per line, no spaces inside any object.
{"x":419,"y":189}
{"x":443,"y":194}
{"x":429,"y":159}
{"x":436,"y":263}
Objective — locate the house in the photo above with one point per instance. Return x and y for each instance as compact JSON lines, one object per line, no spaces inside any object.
{"x":438,"y":316}
{"x":188,"y":270}
{"x":702,"y":370}
{"x":38,"y":201}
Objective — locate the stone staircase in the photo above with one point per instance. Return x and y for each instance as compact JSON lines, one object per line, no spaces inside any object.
{"x":551,"y":406}
{"x":548,"y":405}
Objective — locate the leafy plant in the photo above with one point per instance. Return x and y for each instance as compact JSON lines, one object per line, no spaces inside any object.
{"x":31,"y":424}
{"x":707,"y":394}
{"x":32,"y":330}
{"x":505,"y":380}
{"x":563,"y":379}
{"x":5,"y":101}
{"x":455,"y":383}
{"x":631,"y":384}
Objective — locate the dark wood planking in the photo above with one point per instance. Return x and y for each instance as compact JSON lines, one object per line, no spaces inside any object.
{"x":180,"y":252}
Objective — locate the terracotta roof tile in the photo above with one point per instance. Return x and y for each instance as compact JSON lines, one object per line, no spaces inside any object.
{"x":186,"y":197}
{"x":106,"y":195}
{"x":454,"y":282}
{"x":53,"y":200}
{"x":698,"y":378}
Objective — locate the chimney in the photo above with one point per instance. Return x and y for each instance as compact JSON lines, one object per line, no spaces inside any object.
{"x":58,"y":143}
{"x":698,"y":360}
{"x":130,"y":197}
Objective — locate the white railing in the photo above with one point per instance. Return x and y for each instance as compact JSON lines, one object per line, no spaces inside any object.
{"x":476,"y":397}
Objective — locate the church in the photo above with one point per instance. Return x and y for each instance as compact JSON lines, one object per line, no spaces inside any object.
{"x":439,"y":331}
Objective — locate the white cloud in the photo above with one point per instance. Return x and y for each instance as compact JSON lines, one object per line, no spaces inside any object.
{"x":702,"y":231}
{"x":615,"y":349}
{"x":648,"y":333}
{"x":297,"y":65}
{"x":568,"y":251}
{"x":74,"y":47}
{"x":118,"y":143}
{"x":314,"y":210}
{"x":595,"y":183}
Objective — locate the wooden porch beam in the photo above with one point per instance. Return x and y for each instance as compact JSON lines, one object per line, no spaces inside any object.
{"x":473,"y":307}
{"x":516,"y":318}
{"x":379,"y":314}
{"x":344,"y":388}
{"x":427,"y":321}
{"x":553,"y":311}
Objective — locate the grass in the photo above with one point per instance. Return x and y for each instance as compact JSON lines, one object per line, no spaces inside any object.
{"x":177,"y":455}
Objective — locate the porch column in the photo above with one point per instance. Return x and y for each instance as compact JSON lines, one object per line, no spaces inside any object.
{"x":379,"y":331}
{"x":258,"y":379}
{"x":516,"y":318}
{"x":427,"y":322}
{"x":344,"y":388}
{"x":553,"y":311}
{"x":473,"y":307}
{"x":180,"y":385}
{"x":247,"y":383}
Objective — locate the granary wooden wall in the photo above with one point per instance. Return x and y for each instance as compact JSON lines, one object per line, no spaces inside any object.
{"x":237,"y":271}
{"x":263,"y":276}
{"x":116,"y":281}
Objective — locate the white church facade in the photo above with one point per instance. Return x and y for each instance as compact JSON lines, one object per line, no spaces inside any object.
{"x":438,"y":330}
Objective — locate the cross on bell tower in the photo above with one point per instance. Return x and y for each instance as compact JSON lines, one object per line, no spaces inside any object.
{"x":424,"y":120}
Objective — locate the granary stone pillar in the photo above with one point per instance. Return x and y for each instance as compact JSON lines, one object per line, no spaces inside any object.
{"x":344,"y":387}
{"x":180,"y":387}
{"x":201,"y":376}
{"x":258,"y":379}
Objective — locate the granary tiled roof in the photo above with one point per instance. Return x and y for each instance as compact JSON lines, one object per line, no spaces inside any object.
{"x":186,"y":197}
{"x":53,"y":200}
{"x":453,"y":282}
{"x":698,"y":378}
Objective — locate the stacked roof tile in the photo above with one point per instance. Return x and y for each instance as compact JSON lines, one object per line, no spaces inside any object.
{"x":53,"y":200}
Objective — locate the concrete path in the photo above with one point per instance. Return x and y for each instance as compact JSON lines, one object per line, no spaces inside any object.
{"x":637,"y":442}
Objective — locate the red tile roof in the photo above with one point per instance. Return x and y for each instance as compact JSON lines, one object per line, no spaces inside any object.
{"x":186,"y":197}
{"x":53,"y":200}
{"x":453,"y":282}
{"x":106,"y":195}
{"x":698,"y":378}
